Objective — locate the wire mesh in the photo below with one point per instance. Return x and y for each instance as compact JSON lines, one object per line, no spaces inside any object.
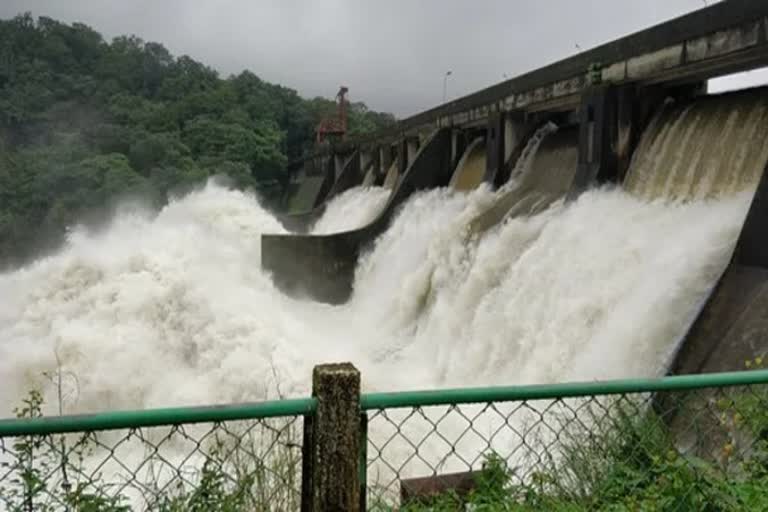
{"x":675,"y":444}
{"x":232,"y":465}
{"x":703,"y":449}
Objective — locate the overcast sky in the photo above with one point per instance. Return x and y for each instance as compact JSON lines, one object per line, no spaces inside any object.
{"x":392,"y":54}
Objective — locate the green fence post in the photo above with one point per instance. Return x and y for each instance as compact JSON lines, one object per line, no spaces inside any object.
{"x":307,"y":449}
{"x":332,"y":442}
{"x":363,"y":461}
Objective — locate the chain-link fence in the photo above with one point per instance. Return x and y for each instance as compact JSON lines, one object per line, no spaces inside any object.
{"x":685,"y":443}
{"x":242,"y":457}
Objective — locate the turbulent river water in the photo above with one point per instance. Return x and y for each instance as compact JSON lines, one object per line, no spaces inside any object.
{"x":172,"y":308}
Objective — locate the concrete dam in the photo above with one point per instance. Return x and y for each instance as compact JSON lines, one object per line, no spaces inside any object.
{"x":631,"y":119}
{"x":601,"y":217}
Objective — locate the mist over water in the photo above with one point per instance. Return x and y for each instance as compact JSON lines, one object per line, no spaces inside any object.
{"x":173,"y":308}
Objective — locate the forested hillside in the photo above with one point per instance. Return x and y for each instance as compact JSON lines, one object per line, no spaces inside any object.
{"x":84,"y":121}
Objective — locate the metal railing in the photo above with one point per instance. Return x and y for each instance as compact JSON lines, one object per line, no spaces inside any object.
{"x":695,"y":442}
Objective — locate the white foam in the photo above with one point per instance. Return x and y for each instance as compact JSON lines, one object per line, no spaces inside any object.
{"x":173,"y":309}
{"x":354,"y":208}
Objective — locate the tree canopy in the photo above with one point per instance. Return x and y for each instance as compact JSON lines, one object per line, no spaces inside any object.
{"x":84,"y":121}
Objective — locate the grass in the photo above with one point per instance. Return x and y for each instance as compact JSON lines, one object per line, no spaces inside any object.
{"x":650,"y":476}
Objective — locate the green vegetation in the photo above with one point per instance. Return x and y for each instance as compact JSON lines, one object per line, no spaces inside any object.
{"x":35,"y":459}
{"x":84,"y":122}
{"x":635,"y":465}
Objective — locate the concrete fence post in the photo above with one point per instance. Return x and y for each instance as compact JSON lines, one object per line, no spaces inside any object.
{"x":331,"y":451}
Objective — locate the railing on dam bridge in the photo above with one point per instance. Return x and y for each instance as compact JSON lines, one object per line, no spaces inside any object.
{"x":675,"y":443}
{"x":723,"y":38}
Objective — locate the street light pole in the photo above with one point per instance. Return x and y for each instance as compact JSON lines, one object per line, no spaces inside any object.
{"x":445,"y":84}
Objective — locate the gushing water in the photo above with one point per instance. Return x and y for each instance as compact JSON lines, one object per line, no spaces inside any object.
{"x":549,"y":297}
{"x":173,"y":309}
{"x":684,"y":150}
{"x":352,"y":209}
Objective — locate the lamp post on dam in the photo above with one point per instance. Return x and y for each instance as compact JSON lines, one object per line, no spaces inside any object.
{"x":445,"y":84}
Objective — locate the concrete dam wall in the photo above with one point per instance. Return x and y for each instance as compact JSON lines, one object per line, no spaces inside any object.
{"x":645,"y":124}
{"x":322,"y":266}
{"x":693,"y":148}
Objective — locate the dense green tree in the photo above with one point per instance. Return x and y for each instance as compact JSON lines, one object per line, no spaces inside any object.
{"x":84,"y":121}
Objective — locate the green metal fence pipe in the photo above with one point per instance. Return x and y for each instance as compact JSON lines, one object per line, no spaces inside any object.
{"x":554,"y":391}
{"x":155,"y":417}
{"x":299,"y":407}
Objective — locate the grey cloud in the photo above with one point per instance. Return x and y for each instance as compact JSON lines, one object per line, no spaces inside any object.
{"x":391,"y":54}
